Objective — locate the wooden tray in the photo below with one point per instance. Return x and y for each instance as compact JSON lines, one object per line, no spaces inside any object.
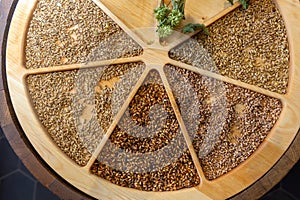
{"x":244,"y":175}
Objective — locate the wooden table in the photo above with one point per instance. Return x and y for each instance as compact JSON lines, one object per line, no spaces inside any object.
{"x":48,"y":177}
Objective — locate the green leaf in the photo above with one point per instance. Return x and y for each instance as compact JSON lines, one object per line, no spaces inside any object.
{"x":231,"y":2}
{"x":181,"y":7}
{"x":244,"y":4}
{"x":190,"y":28}
{"x":178,"y":5}
{"x":175,"y":4}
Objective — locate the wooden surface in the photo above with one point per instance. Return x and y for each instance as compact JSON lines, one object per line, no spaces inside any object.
{"x":274,"y":175}
{"x":15,"y":135}
{"x":136,"y":17}
{"x":243,"y":176}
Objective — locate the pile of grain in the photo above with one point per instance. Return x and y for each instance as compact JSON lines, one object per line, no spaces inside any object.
{"x":75,"y":108}
{"x":147,"y":150}
{"x":231,"y":121}
{"x":248,"y":45}
{"x":67,"y":32}
{"x":156,"y":159}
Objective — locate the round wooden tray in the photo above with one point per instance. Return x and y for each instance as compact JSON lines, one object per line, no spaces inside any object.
{"x":155,"y":56}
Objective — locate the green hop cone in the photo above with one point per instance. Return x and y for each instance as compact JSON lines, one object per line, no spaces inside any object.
{"x":162,"y":12}
{"x":174,"y":18}
{"x":164,"y":31}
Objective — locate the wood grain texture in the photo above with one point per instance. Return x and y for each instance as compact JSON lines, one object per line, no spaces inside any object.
{"x":226,"y":186}
{"x":5,"y":118}
{"x":5,"y":6}
{"x":136,"y":18}
{"x":18,"y":140}
{"x":275,"y":174}
{"x":32,"y":161}
{"x":1,"y":83}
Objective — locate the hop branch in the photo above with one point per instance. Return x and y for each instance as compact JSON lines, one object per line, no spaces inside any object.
{"x":169,"y":18}
{"x":243,"y":2}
